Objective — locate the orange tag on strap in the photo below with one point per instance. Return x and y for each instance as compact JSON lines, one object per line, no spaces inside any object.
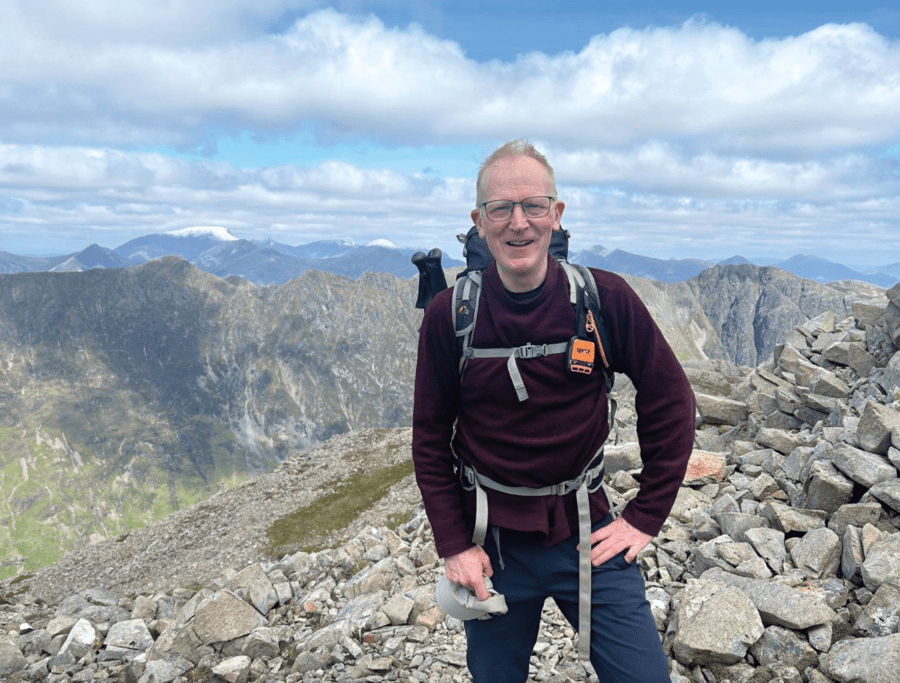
{"x":580,"y":357}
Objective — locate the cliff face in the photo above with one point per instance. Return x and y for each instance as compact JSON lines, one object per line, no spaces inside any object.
{"x":128,"y":393}
{"x":751,"y":308}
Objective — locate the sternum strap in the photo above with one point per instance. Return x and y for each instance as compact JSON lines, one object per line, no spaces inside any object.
{"x":525,"y":352}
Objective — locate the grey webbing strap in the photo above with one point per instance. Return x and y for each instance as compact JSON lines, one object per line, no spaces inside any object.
{"x":525,"y":352}
{"x":481,"y":515}
{"x":612,"y":404}
{"x":584,"y":572}
{"x":576,"y":281}
{"x":467,"y":289}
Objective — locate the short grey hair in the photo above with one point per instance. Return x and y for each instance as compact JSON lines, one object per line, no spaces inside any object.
{"x":511,"y":149}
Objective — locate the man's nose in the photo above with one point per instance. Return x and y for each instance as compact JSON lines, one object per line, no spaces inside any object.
{"x":518,"y":219}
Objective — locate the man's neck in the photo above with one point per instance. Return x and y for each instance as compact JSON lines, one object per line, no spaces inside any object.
{"x":526,"y":297}
{"x":513,"y":283}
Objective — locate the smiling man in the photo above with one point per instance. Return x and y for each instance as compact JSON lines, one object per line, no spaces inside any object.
{"x":523,"y":458}
{"x":517,"y":210}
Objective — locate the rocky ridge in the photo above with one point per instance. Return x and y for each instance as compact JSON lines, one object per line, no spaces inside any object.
{"x":780,"y":561}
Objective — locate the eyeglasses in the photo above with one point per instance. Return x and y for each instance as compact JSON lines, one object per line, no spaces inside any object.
{"x":533,"y":207}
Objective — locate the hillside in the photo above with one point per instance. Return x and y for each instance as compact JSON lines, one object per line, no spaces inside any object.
{"x":126,"y":394}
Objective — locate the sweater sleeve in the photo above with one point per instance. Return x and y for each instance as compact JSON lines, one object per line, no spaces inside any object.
{"x":435,"y":406}
{"x":664,"y":402}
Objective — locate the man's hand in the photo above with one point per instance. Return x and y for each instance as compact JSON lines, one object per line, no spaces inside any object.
{"x":467,"y":568}
{"x":610,"y":540}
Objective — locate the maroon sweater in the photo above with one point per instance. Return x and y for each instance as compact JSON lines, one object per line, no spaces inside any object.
{"x":550,"y":437}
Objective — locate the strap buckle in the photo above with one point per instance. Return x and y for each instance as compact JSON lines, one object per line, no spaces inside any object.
{"x":467,"y":477}
{"x":531,"y":351}
{"x":567,"y":487}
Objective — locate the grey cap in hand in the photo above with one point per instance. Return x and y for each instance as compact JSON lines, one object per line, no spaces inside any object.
{"x":460,"y":602}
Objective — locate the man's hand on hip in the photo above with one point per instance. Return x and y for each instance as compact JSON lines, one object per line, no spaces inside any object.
{"x":467,"y":568}
{"x":610,"y":540}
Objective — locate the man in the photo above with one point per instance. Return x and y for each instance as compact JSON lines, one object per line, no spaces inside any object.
{"x":551,"y":437}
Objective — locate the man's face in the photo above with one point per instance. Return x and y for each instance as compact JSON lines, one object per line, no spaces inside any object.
{"x":518,"y":244}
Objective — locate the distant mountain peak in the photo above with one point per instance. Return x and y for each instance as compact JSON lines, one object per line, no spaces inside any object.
{"x":212,"y":231}
{"x":387,"y":244}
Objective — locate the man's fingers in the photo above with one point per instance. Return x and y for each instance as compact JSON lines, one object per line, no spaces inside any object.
{"x":467,"y":569}
{"x":612,"y":539}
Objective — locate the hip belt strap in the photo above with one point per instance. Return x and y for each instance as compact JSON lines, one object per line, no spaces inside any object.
{"x":587,"y":482}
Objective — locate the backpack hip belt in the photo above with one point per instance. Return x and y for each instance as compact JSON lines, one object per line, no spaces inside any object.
{"x":590,"y":479}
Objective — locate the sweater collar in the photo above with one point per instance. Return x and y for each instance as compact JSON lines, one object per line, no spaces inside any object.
{"x":494,"y":286}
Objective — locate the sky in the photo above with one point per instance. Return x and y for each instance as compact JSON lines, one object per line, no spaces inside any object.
{"x":676,"y":130}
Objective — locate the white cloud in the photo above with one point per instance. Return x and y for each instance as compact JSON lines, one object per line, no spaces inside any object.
{"x":689,"y":137}
{"x":836,"y":86}
{"x":121,"y":195}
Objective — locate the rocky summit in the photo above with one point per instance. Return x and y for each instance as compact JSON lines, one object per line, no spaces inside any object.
{"x":780,"y":561}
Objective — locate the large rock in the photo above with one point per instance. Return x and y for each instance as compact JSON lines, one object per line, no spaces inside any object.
{"x":852,"y":554}
{"x":81,"y":639}
{"x":11,"y":657}
{"x":781,"y":440}
{"x":781,"y":646}
{"x":827,"y":383}
{"x":864,"y":660}
{"x":127,"y":640}
{"x":716,"y":624}
{"x":818,"y":553}
{"x":881,"y":616}
{"x":253,"y":585}
{"x":717,"y":410}
{"x":704,"y":468}
{"x":769,"y":543}
{"x":826,"y":488}
{"x":882,"y":563}
{"x":875,"y":426}
{"x":888,"y":492}
{"x":776,"y":603}
{"x":788,"y":520}
{"x":225,"y":617}
{"x":852,"y":354}
{"x":857,"y":514}
{"x":862,"y":466}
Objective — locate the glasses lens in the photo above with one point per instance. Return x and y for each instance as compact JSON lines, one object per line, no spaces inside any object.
{"x":499,"y":210}
{"x":535,"y":207}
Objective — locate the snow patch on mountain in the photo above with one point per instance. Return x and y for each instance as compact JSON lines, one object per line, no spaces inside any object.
{"x":387,"y":244}
{"x":212,"y":231}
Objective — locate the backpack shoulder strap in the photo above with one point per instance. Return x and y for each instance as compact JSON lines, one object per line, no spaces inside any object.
{"x":466,"y":296}
{"x":585,"y":300}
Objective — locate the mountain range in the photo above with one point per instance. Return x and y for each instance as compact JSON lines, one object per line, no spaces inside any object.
{"x":127,"y":393}
{"x":266,"y":262}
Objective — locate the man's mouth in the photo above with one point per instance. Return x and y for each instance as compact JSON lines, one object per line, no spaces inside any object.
{"x":519,"y":243}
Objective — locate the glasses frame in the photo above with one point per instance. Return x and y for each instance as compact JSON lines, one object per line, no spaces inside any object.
{"x":512,"y":206}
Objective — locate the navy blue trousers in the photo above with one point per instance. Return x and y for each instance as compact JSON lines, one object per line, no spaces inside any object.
{"x":625,"y":646}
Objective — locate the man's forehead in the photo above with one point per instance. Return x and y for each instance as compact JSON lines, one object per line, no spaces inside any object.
{"x":518,"y":169}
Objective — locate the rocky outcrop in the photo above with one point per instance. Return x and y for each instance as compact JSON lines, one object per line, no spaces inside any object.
{"x":751,"y":308}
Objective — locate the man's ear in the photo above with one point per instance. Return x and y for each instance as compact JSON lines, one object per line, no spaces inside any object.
{"x":558,"y":207}
{"x":476,"y":219}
